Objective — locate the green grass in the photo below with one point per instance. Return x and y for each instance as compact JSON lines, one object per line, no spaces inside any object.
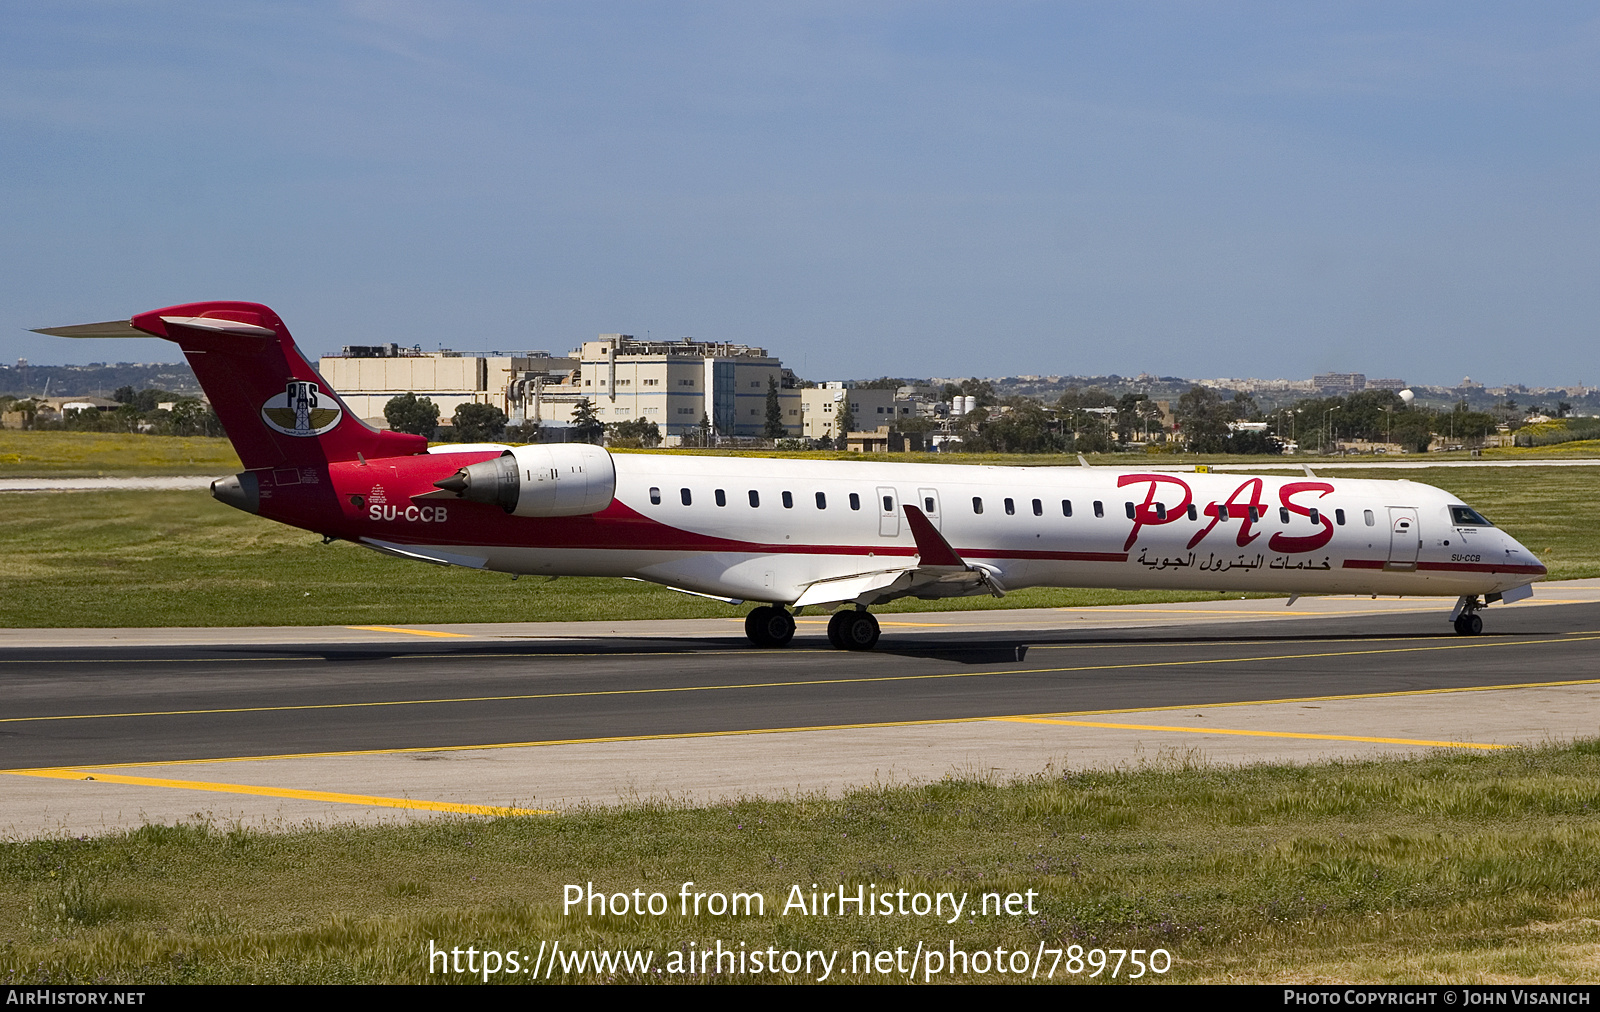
{"x":28,"y":454}
{"x":143,"y":558}
{"x":1451,"y":867}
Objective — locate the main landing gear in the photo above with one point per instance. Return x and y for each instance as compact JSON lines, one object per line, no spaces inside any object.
{"x":768,"y":626}
{"x":1467,"y":620}
{"x":851,"y":629}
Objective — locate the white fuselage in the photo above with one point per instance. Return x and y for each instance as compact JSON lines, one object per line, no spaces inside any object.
{"x":768,"y":529}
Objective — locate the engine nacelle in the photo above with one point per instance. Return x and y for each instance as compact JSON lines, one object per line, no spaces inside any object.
{"x":544,"y":480}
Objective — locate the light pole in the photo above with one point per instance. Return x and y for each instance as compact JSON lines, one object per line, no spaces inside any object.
{"x":1327,"y":424}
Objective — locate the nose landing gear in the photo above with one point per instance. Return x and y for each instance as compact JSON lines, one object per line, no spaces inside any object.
{"x":1466,"y":619}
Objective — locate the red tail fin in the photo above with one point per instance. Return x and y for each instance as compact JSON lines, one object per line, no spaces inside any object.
{"x":275,"y":407}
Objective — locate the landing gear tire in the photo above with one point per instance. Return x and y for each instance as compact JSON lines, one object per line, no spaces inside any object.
{"x":769,"y":627}
{"x":857,"y":630}
{"x":1470,"y":624}
{"x":836,"y":630}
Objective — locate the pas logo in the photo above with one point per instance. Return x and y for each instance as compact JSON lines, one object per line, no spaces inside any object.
{"x":298,"y":411}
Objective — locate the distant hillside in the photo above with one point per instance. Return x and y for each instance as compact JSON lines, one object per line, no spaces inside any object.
{"x":96,"y":378}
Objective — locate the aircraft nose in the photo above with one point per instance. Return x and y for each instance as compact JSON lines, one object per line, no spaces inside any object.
{"x":1518,"y":553}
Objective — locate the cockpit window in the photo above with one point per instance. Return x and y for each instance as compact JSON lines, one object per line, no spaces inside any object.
{"x":1466,"y":516}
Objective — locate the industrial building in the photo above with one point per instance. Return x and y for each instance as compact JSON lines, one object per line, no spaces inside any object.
{"x":675,"y":384}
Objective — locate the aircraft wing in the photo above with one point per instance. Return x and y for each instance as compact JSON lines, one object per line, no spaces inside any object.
{"x":939,"y":571}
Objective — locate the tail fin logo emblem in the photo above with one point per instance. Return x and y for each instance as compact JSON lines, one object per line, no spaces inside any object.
{"x":298,"y":411}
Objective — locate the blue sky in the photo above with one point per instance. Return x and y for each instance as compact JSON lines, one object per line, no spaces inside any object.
{"x":906,"y":188}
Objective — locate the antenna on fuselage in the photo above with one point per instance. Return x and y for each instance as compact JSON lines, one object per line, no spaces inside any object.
{"x":1309,"y":473}
{"x":1084,"y":461}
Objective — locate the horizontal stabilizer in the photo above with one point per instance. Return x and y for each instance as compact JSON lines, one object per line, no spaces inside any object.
{"x":111,"y":328}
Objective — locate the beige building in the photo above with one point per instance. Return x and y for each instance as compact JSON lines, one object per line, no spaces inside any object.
{"x":368,"y":377}
{"x":672,"y":383}
{"x":677,"y":383}
{"x":819,"y":406}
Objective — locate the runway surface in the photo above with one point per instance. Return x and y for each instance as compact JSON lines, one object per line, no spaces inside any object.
{"x":108,"y":728}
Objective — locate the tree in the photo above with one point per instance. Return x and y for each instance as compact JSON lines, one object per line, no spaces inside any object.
{"x":585,"y":425}
{"x":1023,"y":429}
{"x":775,"y":429}
{"x":410,"y":413}
{"x":478,"y":423}
{"x":844,"y":422}
{"x":1203,"y":418}
{"x":639,"y":434}
{"x":189,"y":417}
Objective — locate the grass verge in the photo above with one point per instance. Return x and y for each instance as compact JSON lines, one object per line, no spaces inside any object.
{"x":29,"y":454}
{"x":1448,"y":867}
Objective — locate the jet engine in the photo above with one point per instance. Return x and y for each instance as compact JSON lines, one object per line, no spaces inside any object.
{"x":545,"y":480}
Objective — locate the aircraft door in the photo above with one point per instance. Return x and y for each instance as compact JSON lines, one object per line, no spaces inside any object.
{"x":928,"y":501}
{"x":1404,"y":537}
{"x":888,"y":512}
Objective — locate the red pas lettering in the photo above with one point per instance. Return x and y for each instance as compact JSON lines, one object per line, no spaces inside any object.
{"x":1247,"y":511}
{"x":1309,"y":543}
{"x":413,"y":514}
{"x":1146,"y":515}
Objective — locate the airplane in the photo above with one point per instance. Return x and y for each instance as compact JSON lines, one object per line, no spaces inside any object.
{"x":792,"y":534}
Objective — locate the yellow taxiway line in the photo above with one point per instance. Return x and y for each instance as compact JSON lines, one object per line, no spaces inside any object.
{"x":95,"y":773}
{"x":412,"y":632}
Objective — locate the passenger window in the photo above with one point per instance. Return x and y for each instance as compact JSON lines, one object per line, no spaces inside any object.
{"x":1099,"y":508}
{"x":977,"y":504}
{"x":1316,"y":517}
{"x":1194,"y":514}
{"x":721,"y":497}
{"x":1283,"y":514}
{"x":1338,"y":517}
{"x":1255,"y":515}
{"x":1066,"y":507}
{"x":1038,"y":508}
{"x":822,"y":500}
{"x":1131,"y":511}
{"x":1011,"y":507}
{"x":927,"y":504}
{"x":684,"y":494}
{"x":1369,"y":518}
{"x":888,"y":504}
{"x":855,"y":501}
{"x":788,"y":501}
{"x":1161,"y":511}
{"x":655,"y":496}
{"x":1222,"y":512}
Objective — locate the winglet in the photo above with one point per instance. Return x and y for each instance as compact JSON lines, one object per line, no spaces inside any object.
{"x":931,"y":545}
